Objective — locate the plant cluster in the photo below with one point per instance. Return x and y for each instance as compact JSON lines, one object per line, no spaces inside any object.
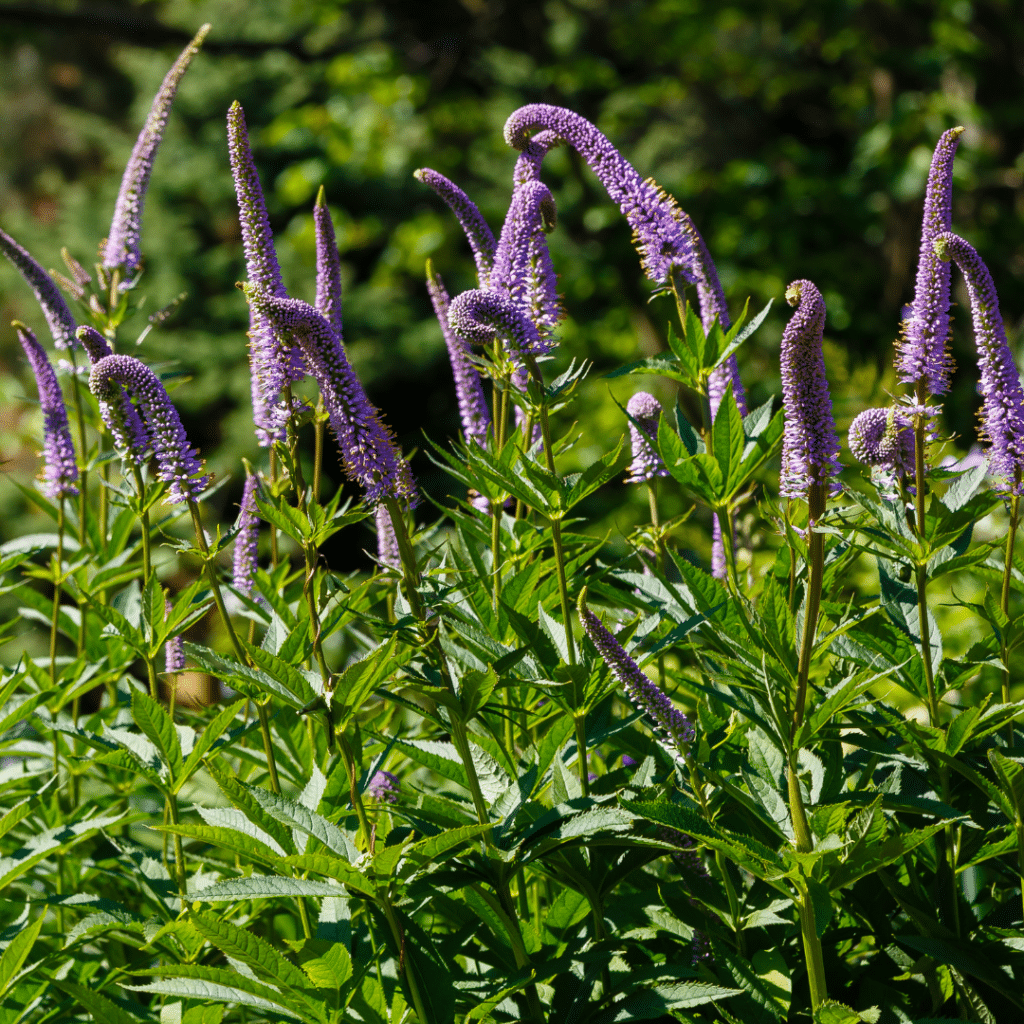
{"x":503,"y":777}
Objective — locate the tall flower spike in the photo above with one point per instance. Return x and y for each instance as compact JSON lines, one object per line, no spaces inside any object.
{"x":273,"y":362}
{"x":644,"y":694}
{"x":131,"y":437}
{"x":1002,"y":412}
{"x":649,"y":211}
{"x":810,"y":449}
{"x":122,"y":247}
{"x":480,"y":237}
{"x":369,"y":455}
{"x":245,"y":559}
{"x":883,"y":438}
{"x":646,"y":464}
{"x":473,"y":410}
{"x":55,"y":309}
{"x":174,"y":649}
{"x":60,"y":471}
{"x":922,"y":356}
{"x":478,"y":315}
{"x":178,"y":465}
{"x":387,"y":542}
{"x":328,"y":265}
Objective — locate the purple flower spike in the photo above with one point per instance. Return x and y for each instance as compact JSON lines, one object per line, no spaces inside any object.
{"x":122,"y":247}
{"x":651,"y":214}
{"x":245,"y":561}
{"x":60,"y":470}
{"x":528,"y":165}
{"x":328,"y":265}
{"x":478,"y":315}
{"x":273,"y":363}
{"x":646,"y":464}
{"x":473,"y":410}
{"x":1002,"y":414}
{"x":95,"y":345}
{"x":384,"y":786}
{"x":479,"y":234}
{"x":387,"y":543}
{"x":883,"y":438}
{"x":644,"y":694}
{"x":368,"y":452}
{"x":174,"y":649}
{"x":178,"y":465}
{"x":55,"y":309}
{"x":810,"y":449}
{"x":923,"y":358}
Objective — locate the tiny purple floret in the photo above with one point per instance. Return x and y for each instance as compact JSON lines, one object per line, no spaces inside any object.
{"x":55,"y":309}
{"x":174,"y":648}
{"x":384,"y":787}
{"x":245,"y":559}
{"x":387,"y":542}
{"x":646,"y":465}
{"x":883,"y":438}
{"x":328,"y":264}
{"x":478,"y":315}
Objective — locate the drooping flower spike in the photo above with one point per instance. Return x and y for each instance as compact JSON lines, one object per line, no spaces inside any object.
{"x":55,"y":309}
{"x":245,"y":560}
{"x":60,"y":472}
{"x":369,"y":455}
{"x":810,"y":449}
{"x":480,"y":237}
{"x":328,"y":265}
{"x":923,"y":358}
{"x":883,"y":438}
{"x":388,"y":552}
{"x":646,"y":463}
{"x":478,"y":315}
{"x":473,"y":410}
{"x":119,"y":413}
{"x":273,"y":362}
{"x":122,"y":247}
{"x":177,"y":462}
{"x":532,"y":155}
{"x":1002,"y":412}
{"x":643,"y":693}
{"x":651,"y":214}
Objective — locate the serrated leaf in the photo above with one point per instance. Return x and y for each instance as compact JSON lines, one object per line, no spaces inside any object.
{"x":213,"y":731}
{"x":258,"y":887}
{"x":157,"y":726}
{"x":333,"y":867}
{"x":238,"y":843}
{"x":17,"y":952}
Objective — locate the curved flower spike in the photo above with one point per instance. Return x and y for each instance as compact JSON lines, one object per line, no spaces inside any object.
{"x":643,"y":693}
{"x":245,"y":560}
{"x":55,"y":309}
{"x":60,"y":471}
{"x":1002,"y":413}
{"x":369,"y":455}
{"x":479,"y":234}
{"x":883,"y":438}
{"x":328,"y":265}
{"x":810,"y":449}
{"x":922,"y":356}
{"x":528,"y":165}
{"x":122,"y":247}
{"x":473,"y":410}
{"x":646,"y":464}
{"x":478,"y":315}
{"x":178,"y":465}
{"x":651,"y":213}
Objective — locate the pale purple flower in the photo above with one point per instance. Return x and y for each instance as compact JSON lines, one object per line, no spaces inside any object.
{"x":368,"y":452}
{"x":646,"y":465}
{"x":119,"y":413}
{"x":55,"y":309}
{"x":810,"y":449}
{"x":384,"y":787}
{"x":1002,"y":413}
{"x":388,"y":552}
{"x":480,"y":237}
{"x":122,"y":247}
{"x":473,"y":409}
{"x":923,"y":357}
{"x":651,"y":213}
{"x":629,"y":762}
{"x":883,"y":438}
{"x":273,"y":362}
{"x":643,"y":693}
{"x":245,"y":559}
{"x":177,"y":462}
{"x":60,"y":471}
{"x":478,"y":315}
{"x":174,"y":649}
{"x":328,"y":265}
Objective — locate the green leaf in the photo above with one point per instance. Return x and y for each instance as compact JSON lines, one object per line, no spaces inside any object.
{"x":237,"y":843}
{"x":213,"y":731}
{"x":241,"y":797}
{"x":1010,"y":774}
{"x":157,"y":726}
{"x":254,"y":683}
{"x":17,"y":952}
{"x":101,"y":1008}
{"x":261,"y":887}
{"x":333,"y":867}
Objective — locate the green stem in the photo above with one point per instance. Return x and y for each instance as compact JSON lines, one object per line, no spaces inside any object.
{"x":179,"y":853}
{"x":920,"y":572}
{"x":353,"y":789}
{"x":1004,"y":602}
{"x":211,"y":575}
{"x":298,"y":481}
{"x":83,"y":474}
{"x":812,"y":949}
{"x":580,"y":721}
{"x":460,"y":740}
{"x":812,"y":602}
{"x":410,"y":570}
{"x":274,"y":555}
{"x":318,"y":446}
{"x":268,"y":745}
{"x":147,"y":561}
{"x":58,"y":570}
{"x":403,"y":960}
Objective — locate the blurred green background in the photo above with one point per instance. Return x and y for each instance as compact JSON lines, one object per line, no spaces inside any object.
{"x":797,"y":134}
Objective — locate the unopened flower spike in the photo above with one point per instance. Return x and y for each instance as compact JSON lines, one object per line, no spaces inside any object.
{"x":369,"y":455}
{"x":328,"y":264}
{"x":644,"y":694}
{"x":480,"y":237}
{"x":273,"y":362}
{"x":649,"y":211}
{"x":923,"y":358}
{"x":55,"y":309}
{"x":646,"y":464}
{"x":60,"y":472}
{"x":245,"y":559}
{"x":174,"y":648}
{"x":478,"y":315}
{"x":178,"y":464}
{"x":810,"y":449}
{"x":387,"y":542}
{"x":473,"y":410}
{"x":122,"y":247}
{"x":1002,"y":411}
{"x":883,"y":438}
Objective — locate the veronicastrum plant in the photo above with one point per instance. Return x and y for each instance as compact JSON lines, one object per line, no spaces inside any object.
{"x":506,"y":776}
